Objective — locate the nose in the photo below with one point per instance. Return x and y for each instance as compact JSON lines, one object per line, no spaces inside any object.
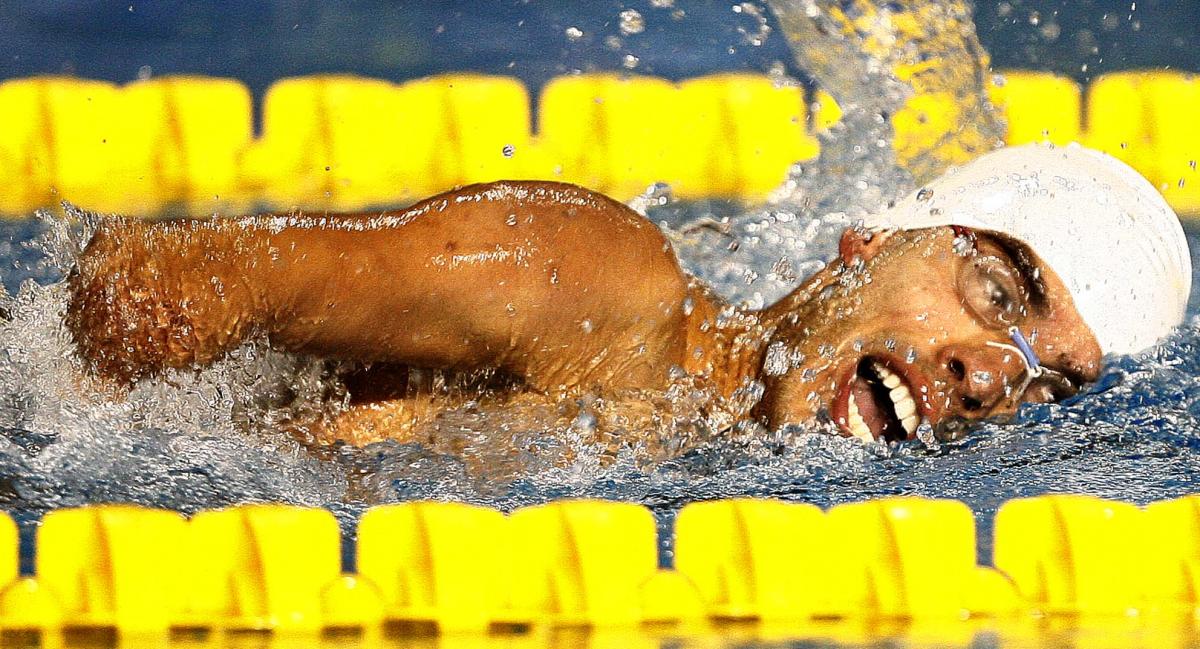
{"x":979,"y":377}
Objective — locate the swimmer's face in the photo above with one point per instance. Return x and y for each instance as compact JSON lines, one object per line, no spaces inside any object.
{"x":913,"y":326}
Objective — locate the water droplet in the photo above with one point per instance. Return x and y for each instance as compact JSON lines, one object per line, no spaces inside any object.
{"x":756,"y":35}
{"x":963,"y":245}
{"x":777,"y":361}
{"x":630,"y":61}
{"x":574,"y":34}
{"x":631,"y":22}
{"x":662,"y":4}
{"x":511,"y":220}
{"x":508,"y":150}
{"x":689,"y":305}
{"x":586,"y":325}
{"x":925,"y":433}
{"x":585,"y":422}
{"x":925,"y":194}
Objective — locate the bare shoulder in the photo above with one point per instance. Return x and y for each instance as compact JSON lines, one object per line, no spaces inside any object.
{"x":543,"y":198}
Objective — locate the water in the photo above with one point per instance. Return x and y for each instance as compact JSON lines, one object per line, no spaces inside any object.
{"x":209,"y":438}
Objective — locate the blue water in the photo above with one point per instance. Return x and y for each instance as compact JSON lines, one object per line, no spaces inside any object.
{"x":260,"y":42}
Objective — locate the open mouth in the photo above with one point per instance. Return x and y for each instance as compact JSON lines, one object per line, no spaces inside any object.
{"x":879,"y":403}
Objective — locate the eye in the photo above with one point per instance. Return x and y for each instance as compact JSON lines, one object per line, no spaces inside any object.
{"x":989,"y":287}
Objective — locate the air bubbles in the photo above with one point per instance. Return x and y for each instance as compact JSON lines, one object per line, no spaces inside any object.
{"x":574,"y":34}
{"x":631,"y":22}
{"x":758,"y":34}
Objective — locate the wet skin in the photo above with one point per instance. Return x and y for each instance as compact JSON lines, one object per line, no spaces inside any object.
{"x":565,"y":291}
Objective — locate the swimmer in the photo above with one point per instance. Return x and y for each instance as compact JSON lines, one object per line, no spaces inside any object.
{"x":1003,"y":282}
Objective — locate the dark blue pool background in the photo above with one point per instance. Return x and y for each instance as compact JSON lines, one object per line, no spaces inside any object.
{"x":261,"y":41}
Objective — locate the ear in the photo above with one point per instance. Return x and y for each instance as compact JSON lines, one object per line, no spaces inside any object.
{"x":861,"y":242}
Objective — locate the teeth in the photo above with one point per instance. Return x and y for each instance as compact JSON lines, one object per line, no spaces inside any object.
{"x":858,"y":427}
{"x":903,"y":404}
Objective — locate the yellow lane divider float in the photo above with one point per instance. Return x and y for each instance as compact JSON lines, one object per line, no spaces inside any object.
{"x":428,"y":568}
{"x":185,"y":144}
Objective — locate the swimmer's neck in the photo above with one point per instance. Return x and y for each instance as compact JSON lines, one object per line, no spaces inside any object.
{"x":728,"y":345}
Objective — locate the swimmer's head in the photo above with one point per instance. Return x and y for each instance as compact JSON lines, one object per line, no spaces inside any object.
{"x":1109,"y":235}
{"x":923,"y":316}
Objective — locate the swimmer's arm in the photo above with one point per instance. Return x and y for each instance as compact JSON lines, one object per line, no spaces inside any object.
{"x":564,"y":289}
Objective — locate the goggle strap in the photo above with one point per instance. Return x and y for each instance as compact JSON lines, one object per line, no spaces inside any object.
{"x":1032,"y":362}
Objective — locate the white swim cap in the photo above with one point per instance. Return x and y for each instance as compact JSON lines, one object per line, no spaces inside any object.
{"x":1101,"y":226}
